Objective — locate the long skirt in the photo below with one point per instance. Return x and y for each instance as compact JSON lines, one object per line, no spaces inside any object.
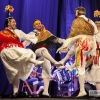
{"x":16,"y":62}
{"x":93,"y":76}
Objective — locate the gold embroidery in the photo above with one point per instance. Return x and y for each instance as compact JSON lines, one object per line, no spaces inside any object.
{"x":8,"y":34}
{"x":81,"y":26}
{"x":44,"y":35}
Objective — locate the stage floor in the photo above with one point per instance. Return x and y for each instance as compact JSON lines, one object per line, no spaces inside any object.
{"x":63,"y":98}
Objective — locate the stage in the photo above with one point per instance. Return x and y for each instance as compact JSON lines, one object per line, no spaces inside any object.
{"x":53,"y":98}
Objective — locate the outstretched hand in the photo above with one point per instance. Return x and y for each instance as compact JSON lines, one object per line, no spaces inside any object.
{"x":62,"y":50}
{"x":59,"y":50}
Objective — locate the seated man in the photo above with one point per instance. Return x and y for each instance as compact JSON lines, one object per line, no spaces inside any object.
{"x":33,"y":81}
{"x":40,"y":88}
{"x":40,"y":85}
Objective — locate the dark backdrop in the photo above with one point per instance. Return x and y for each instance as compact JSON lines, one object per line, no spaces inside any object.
{"x":56,"y":15}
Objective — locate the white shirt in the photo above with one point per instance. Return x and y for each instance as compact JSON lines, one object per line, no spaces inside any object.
{"x":28,"y":38}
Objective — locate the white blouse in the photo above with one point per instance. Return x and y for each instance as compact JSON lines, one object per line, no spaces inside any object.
{"x":28,"y":38}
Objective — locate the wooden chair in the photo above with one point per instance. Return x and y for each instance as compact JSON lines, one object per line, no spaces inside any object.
{"x":27,"y":86}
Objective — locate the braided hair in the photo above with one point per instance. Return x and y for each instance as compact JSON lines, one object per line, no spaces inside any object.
{"x":7,"y":20}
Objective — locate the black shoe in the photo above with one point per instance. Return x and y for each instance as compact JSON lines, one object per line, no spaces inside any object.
{"x":44,"y":96}
{"x":20,"y":95}
{"x":52,"y":96}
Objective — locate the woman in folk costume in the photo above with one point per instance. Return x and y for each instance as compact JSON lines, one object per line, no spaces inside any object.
{"x":46,"y":42}
{"x":93,"y":72}
{"x":18,"y":61}
{"x":82,"y":43}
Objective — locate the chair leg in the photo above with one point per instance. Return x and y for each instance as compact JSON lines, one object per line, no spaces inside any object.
{"x":28,"y":87}
{"x":23,"y":87}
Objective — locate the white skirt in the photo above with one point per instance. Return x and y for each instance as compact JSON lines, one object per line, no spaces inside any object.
{"x":93,"y":76}
{"x":15,"y":61}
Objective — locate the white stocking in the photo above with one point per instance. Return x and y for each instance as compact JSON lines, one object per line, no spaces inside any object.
{"x":69,"y":54}
{"x":46,"y":86}
{"x":46,"y":54}
{"x":36,"y":62}
{"x":15,"y":84}
{"x":82,"y":87}
{"x":98,"y":86}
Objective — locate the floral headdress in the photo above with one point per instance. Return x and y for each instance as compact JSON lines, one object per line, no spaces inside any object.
{"x":9,"y":9}
{"x":97,"y":13}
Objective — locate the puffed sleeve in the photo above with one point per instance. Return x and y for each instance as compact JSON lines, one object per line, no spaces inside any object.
{"x":27,"y":38}
{"x":31,"y":38}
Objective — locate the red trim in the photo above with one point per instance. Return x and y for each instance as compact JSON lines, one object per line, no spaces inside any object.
{"x":41,"y":46}
{"x":8,"y":41}
{"x":88,"y":20}
{"x":13,"y":34}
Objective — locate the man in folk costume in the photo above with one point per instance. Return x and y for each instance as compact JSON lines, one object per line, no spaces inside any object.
{"x":46,"y":42}
{"x":81,"y":42}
